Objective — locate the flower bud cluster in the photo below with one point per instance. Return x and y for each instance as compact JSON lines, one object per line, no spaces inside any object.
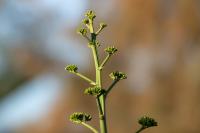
{"x":102,"y":25}
{"x":118,"y":75}
{"x":91,"y":15}
{"x":147,"y":122}
{"x":71,"y":68}
{"x":94,"y":91}
{"x":85,"y":21}
{"x":79,"y":117}
{"x":82,"y":31}
{"x":111,"y":50}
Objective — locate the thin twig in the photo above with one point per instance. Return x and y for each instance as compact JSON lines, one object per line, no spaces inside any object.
{"x":90,"y":127}
{"x":104,"y":61}
{"x":141,"y":129}
{"x":111,"y":86}
{"x":85,"y":78}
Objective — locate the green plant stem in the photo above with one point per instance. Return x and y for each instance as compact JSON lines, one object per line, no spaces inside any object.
{"x":98,"y":31}
{"x":91,"y":28}
{"x":85,"y":78}
{"x":102,"y":114}
{"x":104,"y":61}
{"x":101,"y":99}
{"x":110,"y":87}
{"x":140,"y":130}
{"x":99,"y":106}
{"x":90,"y":127}
{"x":98,"y":73}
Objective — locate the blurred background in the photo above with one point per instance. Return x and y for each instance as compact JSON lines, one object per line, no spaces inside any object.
{"x":159,"y":49}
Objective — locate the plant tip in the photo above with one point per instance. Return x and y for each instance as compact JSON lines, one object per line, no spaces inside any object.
{"x":147,"y":122}
{"x":103,"y":25}
{"x":79,"y":117}
{"x":71,"y":68}
{"x":90,"y":14}
{"x":111,"y":50}
{"x":118,"y":75}
{"x":94,"y":91}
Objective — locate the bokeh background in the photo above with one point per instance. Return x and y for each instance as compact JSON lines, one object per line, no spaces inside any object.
{"x":159,"y":49}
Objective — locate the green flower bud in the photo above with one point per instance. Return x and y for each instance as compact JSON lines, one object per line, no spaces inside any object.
{"x":93,"y":43}
{"x":94,"y":91}
{"x":79,"y":117}
{"x":111,"y":50}
{"x":97,"y":43}
{"x":82,"y":31}
{"x":71,"y":68}
{"x":85,"y":21}
{"x":90,"y":14}
{"x":118,"y":75}
{"x":147,"y":122}
{"x":103,"y":25}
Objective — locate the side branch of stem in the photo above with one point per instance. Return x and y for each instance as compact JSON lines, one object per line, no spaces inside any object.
{"x":86,"y":78}
{"x":104,"y":62}
{"x":89,"y":127}
{"x":140,"y":130}
{"x":110,"y":87}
